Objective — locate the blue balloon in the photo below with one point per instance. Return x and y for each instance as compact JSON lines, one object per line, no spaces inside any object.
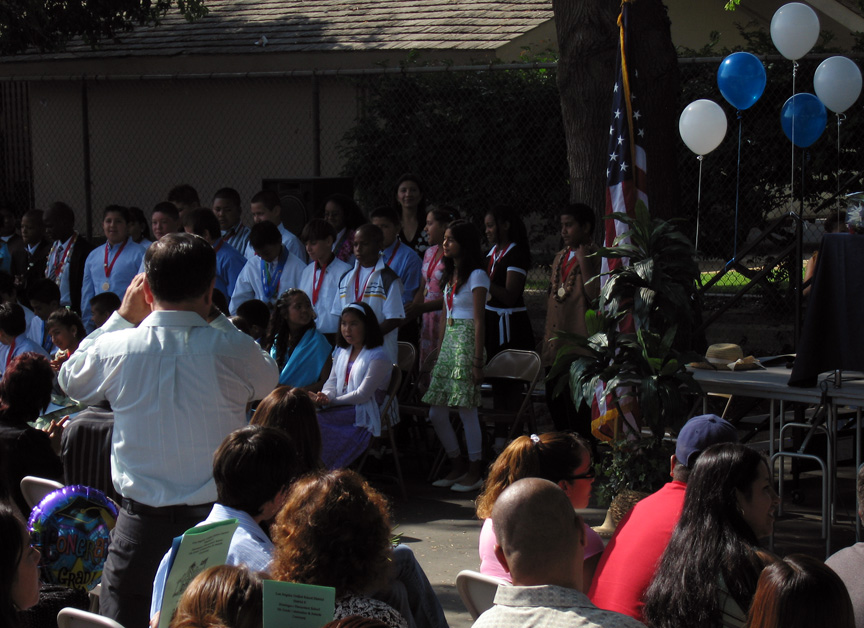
{"x":741,"y":79}
{"x":810,"y":118}
{"x":72,"y":527}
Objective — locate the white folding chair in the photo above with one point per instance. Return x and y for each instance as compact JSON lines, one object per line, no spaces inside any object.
{"x":35,"y":489}
{"x":477,"y":590}
{"x":75,"y":618}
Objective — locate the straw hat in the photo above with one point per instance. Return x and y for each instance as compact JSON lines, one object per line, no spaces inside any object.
{"x":723,"y":353}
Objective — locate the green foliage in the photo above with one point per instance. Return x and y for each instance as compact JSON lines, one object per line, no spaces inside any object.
{"x":640,"y":465}
{"x":47,"y":25}
{"x":449,"y":127}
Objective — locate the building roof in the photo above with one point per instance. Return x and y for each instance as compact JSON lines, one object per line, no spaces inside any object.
{"x":240,"y":26}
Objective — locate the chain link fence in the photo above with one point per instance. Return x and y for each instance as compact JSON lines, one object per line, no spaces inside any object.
{"x":477,"y":136}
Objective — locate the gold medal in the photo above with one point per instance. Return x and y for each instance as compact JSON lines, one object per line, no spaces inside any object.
{"x":106,"y":286}
{"x":450,"y":322}
{"x":426,"y":291}
{"x":562,"y":292}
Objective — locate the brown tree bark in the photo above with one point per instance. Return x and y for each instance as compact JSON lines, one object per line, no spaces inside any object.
{"x":587,"y":41}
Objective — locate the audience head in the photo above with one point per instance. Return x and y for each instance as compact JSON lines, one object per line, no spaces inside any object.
{"x":102,"y":306}
{"x":355,"y":621}
{"x":180,"y":268}
{"x":266,"y":241}
{"x":139,"y":226}
{"x":562,"y":458}
{"x":333,"y":531}
{"x":368,"y":242}
{"x":19,"y":567}
{"x":202,"y":222}
{"x":115,"y":223}
{"x":184,"y":197}
{"x":698,"y":434}
{"x":220,"y":302}
{"x":165,"y":219}
{"x":32,"y":227}
{"x":257,"y":316}
{"x":358,"y":326}
{"x":410,"y":195}
{"x":25,"y":390}
{"x":253,"y":471}
{"x":44,"y":297}
{"x":540,"y":536}
{"x":266,"y":207}
{"x":800,"y":592}
{"x":342,"y":211}
{"x":240,"y":323}
{"x":226,"y":206}
{"x":12,"y":322}
{"x":65,"y":328}
{"x":59,"y":222}
{"x":292,"y":411}
{"x":224,"y":596}
{"x":318,"y":236}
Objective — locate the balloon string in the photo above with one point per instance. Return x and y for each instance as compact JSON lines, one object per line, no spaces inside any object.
{"x":737,"y":188}
{"x":840,"y":118}
{"x":792,"y":169}
{"x":698,"y":201}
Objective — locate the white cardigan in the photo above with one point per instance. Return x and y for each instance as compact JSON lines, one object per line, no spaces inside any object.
{"x":371,"y":372}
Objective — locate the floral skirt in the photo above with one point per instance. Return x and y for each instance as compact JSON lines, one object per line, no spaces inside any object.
{"x":452,"y":381}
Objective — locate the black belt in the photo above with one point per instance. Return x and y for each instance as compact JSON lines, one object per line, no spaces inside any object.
{"x":182,"y":510}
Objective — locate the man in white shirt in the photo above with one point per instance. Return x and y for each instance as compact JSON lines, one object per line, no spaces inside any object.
{"x":178,"y":385}
{"x":265,"y":207}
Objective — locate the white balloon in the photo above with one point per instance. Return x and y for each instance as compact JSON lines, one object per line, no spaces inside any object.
{"x":794,"y":30}
{"x":702,"y":126}
{"x":837,"y":83}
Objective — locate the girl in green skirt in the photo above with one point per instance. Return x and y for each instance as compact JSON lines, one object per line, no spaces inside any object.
{"x":458,"y":372}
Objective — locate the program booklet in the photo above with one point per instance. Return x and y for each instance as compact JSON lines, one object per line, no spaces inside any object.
{"x":297,"y":605}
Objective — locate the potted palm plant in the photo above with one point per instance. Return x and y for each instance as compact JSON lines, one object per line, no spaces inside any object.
{"x":634,"y":358}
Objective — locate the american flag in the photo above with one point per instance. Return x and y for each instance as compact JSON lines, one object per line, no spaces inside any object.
{"x":626,"y":182}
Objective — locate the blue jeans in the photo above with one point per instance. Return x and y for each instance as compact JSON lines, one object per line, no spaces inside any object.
{"x":410,"y":592}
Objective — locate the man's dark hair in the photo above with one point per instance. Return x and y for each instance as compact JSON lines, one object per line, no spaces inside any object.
{"x":165,"y":207}
{"x":387,"y":213}
{"x":264,"y":234}
{"x":106,"y":302}
{"x":12,"y":319}
{"x":254,"y":312}
{"x":228,"y":194}
{"x":61,"y":212}
{"x":252,"y":465}
{"x":118,"y":209}
{"x":317,"y":229}
{"x":44,"y":291}
{"x":581,"y":213}
{"x":269,"y":198}
{"x":202,"y":220}
{"x":184,"y":194}
{"x":179,"y":267}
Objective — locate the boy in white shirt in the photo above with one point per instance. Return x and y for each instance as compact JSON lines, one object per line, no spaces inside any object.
{"x":320,"y":279}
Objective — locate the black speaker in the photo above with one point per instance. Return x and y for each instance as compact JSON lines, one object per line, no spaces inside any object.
{"x":303,"y":199}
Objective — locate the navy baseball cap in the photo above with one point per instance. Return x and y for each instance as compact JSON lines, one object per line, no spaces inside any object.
{"x":701,"y":432}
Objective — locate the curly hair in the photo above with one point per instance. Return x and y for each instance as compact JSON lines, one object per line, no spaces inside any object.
{"x":334,"y":530}
{"x":25,"y":390}
{"x":553,"y":458}
{"x":224,"y":596}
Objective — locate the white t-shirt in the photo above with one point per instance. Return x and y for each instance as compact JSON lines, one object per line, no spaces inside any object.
{"x":463,"y":300}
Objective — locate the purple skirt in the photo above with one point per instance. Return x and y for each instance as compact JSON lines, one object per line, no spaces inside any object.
{"x":342,"y":441}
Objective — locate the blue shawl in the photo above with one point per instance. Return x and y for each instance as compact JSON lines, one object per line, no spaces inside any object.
{"x":304,"y":364}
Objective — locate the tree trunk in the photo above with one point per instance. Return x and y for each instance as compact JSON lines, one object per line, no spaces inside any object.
{"x":587,"y":40}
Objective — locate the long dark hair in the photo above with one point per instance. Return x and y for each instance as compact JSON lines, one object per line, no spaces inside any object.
{"x":353,"y":217}
{"x":517,"y":233}
{"x":711,"y":541}
{"x":373,"y":337}
{"x":470,"y":255}
{"x":799,"y":592}
{"x":25,"y":390}
{"x":279,"y":331}
{"x":11,"y":551}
